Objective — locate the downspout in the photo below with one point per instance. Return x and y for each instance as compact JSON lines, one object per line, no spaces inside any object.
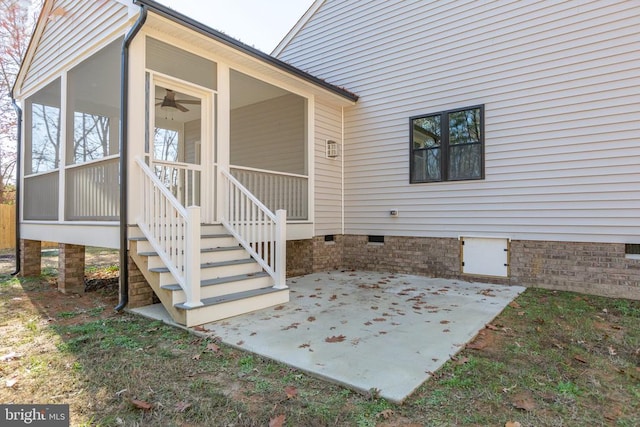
{"x":124,"y":130}
{"x":18,"y":177}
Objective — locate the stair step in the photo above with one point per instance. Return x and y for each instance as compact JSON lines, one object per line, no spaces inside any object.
{"x":202,"y":236}
{"x":202,"y":251}
{"x":220,"y":280}
{"x":231,"y":297}
{"x":209,"y":265}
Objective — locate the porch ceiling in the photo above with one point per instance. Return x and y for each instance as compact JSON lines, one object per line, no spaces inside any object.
{"x":390,"y":330}
{"x":218,"y":51}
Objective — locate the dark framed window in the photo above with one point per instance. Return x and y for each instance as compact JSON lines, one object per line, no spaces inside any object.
{"x":447,"y":146}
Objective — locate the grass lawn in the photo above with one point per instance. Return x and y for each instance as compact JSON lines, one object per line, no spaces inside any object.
{"x":550,"y":359}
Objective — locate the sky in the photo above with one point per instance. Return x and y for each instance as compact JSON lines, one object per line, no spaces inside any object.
{"x":258,"y":23}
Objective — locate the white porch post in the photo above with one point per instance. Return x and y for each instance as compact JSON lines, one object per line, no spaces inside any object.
{"x":281,"y":249}
{"x":62,"y":148}
{"x":224,"y":135}
{"x":192,"y":276}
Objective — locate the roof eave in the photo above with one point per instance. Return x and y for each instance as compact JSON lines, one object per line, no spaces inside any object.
{"x":196,"y":26}
{"x":38,"y":29}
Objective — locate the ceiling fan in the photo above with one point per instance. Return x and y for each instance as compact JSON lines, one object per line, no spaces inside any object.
{"x":170,"y":101}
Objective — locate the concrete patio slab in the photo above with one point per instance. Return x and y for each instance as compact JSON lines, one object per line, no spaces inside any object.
{"x":368,"y":330}
{"x":364,"y":330}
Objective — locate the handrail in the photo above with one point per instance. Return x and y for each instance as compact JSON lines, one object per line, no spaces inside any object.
{"x":268,"y":171}
{"x":182,"y":179}
{"x":164,"y":190}
{"x":261,"y":232}
{"x":179,"y":165}
{"x":173,"y":232}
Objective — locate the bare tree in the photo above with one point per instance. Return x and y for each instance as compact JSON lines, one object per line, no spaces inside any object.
{"x":16,"y":22}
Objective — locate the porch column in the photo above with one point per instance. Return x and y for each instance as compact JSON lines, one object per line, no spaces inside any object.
{"x":70,"y":268}
{"x":223,"y":134}
{"x":30,"y":257}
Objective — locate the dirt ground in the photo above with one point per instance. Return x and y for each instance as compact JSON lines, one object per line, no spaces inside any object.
{"x":95,"y":258}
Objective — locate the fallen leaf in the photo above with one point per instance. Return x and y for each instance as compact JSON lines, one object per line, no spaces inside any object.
{"x":446,"y":331}
{"x":461,"y":360}
{"x":512,"y":424}
{"x":379,"y":319}
{"x":182,"y":406}
{"x":141,"y":404}
{"x":524,"y":402}
{"x":386,"y":414}
{"x":612,"y":351}
{"x":305,"y":345}
{"x":444,"y":322}
{"x":333,"y":297}
{"x":580,"y":359}
{"x":291,"y":326}
{"x":368,"y":323}
{"x":277,"y":421}
{"x":240,"y":342}
{"x":196,"y":357}
{"x":613,"y":414}
{"x":514,"y":304}
{"x":334,"y":338}
{"x":291,"y":391}
{"x":485,"y":292}
{"x":212,"y":347}
{"x":311,"y":319}
{"x":280,"y":307}
{"x":492,"y":327}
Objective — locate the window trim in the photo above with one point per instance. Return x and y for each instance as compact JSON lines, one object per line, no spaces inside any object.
{"x":445,"y":147}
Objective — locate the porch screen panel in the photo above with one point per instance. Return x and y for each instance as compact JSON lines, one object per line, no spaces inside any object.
{"x":42,"y":136}
{"x":92,"y":189}
{"x":41,"y":197}
{"x":93,"y":96}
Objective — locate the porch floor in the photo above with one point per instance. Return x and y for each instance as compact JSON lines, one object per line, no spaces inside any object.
{"x":366,"y":330}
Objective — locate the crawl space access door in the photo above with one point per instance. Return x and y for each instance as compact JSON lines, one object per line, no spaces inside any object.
{"x":486,"y":256}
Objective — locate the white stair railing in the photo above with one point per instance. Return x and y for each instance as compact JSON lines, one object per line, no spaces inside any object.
{"x":174,"y":233}
{"x":261,"y":232}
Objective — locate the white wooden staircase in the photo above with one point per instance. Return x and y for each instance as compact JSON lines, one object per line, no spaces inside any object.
{"x":231,"y":282}
{"x":203,"y":273}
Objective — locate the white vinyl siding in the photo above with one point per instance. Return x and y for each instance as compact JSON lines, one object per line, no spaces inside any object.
{"x":328,"y":176}
{"x":559,"y":83}
{"x":68,"y":31}
{"x":270,"y":135}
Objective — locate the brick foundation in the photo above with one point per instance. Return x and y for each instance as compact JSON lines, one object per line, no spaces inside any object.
{"x":140,"y":293}
{"x":70,"y":268}
{"x":30,"y":258}
{"x":328,"y":255}
{"x":299,"y":257}
{"x":593,"y":268}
